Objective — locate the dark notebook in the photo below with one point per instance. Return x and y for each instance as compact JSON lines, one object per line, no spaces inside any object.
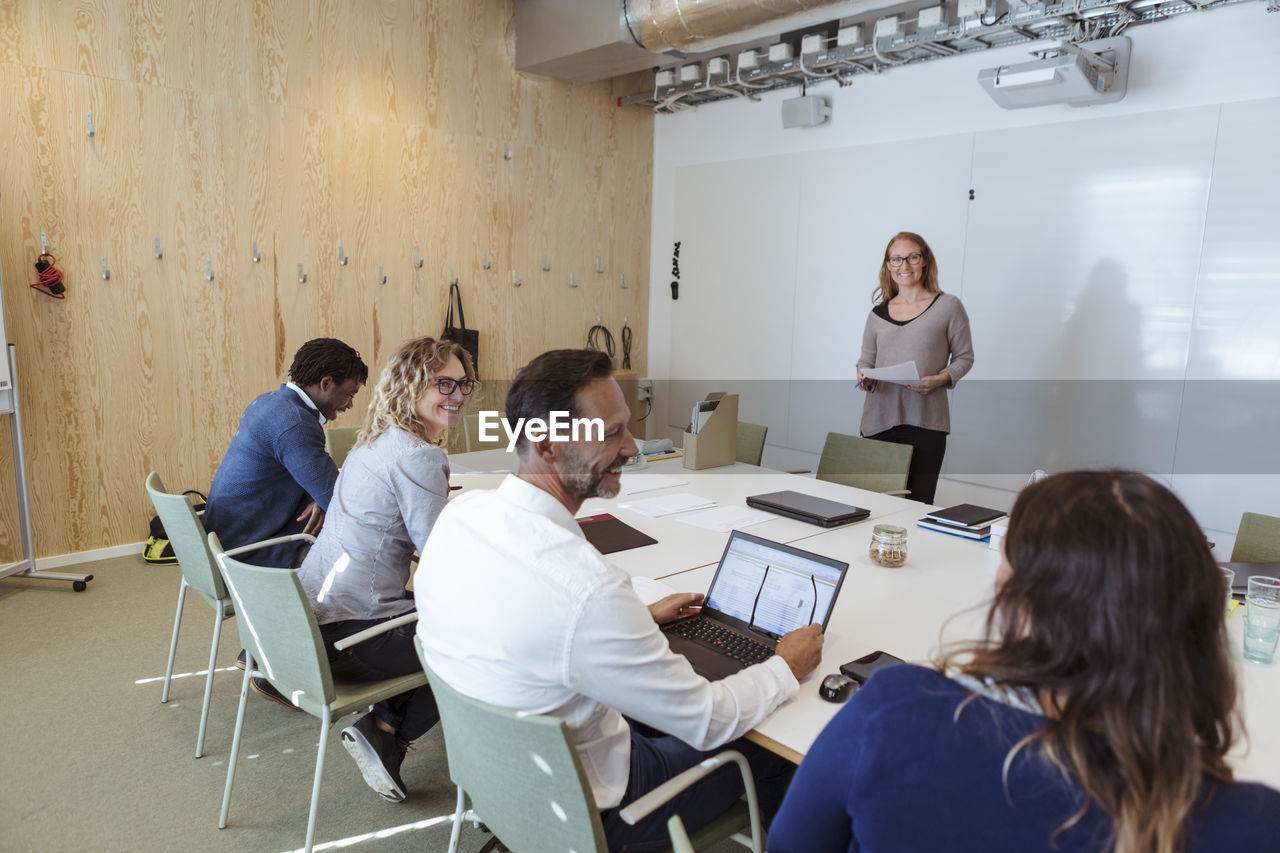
{"x":965,"y":515}
{"x":609,"y":534}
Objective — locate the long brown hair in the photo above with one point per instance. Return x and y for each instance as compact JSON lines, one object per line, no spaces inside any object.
{"x":402,"y":382}
{"x":1112,"y":613}
{"x":888,"y":288}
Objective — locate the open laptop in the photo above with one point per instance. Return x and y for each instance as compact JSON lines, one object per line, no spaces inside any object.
{"x":813,"y":510}
{"x":761,"y":590}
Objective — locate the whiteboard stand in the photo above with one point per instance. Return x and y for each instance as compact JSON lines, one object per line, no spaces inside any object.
{"x":26,"y":567}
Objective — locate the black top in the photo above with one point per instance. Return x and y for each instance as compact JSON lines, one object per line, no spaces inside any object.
{"x":882,"y":311}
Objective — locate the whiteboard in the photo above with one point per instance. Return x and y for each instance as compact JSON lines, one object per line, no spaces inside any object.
{"x":1123,"y":291}
{"x":6,"y":381}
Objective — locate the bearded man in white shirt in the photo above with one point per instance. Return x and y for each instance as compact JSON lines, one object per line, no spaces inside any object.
{"x":517,"y":609}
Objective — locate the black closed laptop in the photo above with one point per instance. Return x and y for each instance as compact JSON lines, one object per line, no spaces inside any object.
{"x":808,"y":508}
{"x":761,"y":590}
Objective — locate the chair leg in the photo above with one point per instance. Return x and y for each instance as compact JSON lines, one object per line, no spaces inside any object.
{"x":325,"y":720}
{"x":173,"y":644}
{"x":208,"y":681}
{"x":458,"y":814}
{"x":235,"y":740}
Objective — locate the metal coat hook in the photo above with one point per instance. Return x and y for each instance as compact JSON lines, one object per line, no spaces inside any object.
{"x":302,"y":277}
{"x":506,"y":152}
{"x":44,"y":243}
{"x":573,"y":283}
{"x":599,"y":268}
{"x":516,"y":281}
{"x":546,"y":267}
{"x":106,"y":273}
{"x":453,"y":279}
{"x":484,"y":260}
{"x":417,"y":261}
{"x":382,"y":279}
{"x":342,"y":258}
{"x":623,"y":278}
{"x":88,"y":124}
{"x":208,"y":270}
{"x":256,"y":257}
{"x":159,"y":253}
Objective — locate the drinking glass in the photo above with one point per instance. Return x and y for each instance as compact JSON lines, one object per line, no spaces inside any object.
{"x":1262,"y":619}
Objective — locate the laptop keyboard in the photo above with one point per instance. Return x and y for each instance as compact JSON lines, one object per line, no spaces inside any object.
{"x":730,"y":643}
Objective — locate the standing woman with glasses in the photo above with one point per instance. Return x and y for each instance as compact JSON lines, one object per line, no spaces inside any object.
{"x":914,"y":320}
{"x":390,"y":491}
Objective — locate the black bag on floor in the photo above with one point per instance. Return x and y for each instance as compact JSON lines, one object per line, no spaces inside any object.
{"x":157,"y":550}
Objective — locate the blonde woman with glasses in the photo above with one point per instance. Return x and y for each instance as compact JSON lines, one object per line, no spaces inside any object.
{"x":391,"y":489}
{"x":913,"y":320}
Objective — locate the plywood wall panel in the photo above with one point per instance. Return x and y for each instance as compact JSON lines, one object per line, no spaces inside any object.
{"x":298,"y":125}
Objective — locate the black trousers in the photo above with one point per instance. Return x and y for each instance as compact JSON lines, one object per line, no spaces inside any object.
{"x":411,"y":713}
{"x":929,"y":446}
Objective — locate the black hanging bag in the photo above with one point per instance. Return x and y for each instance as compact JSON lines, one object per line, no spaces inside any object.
{"x":468,"y":339}
{"x":158,"y":551}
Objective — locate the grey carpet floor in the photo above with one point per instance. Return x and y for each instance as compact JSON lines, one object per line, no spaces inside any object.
{"x":91,"y":761}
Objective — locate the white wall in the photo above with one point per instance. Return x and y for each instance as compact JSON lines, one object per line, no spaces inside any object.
{"x":1205,"y":301}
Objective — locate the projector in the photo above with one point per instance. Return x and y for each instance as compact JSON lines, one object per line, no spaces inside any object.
{"x":1095,"y":72}
{"x":808,"y":111}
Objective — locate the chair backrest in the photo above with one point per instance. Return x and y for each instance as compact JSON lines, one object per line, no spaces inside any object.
{"x":751,"y":442}
{"x":864,"y":463}
{"x":279,"y":629}
{"x":521,"y":771}
{"x":339,"y":441}
{"x":1257,"y":540}
{"x":471,"y":433}
{"x":187,"y":536}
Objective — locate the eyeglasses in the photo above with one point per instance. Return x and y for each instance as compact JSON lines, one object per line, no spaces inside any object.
{"x":914,"y":259}
{"x":445,"y":386}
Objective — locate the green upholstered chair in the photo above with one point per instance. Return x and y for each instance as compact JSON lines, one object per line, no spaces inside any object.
{"x":471,"y":433}
{"x":1257,"y":540}
{"x":339,"y":441}
{"x":751,"y":442}
{"x":199,"y":572}
{"x":283,"y":642}
{"x":865,"y":463}
{"x":520,"y":770}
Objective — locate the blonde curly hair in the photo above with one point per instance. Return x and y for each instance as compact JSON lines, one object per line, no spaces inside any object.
{"x":407,"y":374}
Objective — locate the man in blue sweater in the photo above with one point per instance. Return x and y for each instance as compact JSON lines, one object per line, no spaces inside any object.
{"x":276,"y":478}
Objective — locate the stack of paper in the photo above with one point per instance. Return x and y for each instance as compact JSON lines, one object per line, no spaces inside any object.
{"x":634,"y":484}
{"x":726,"y":518}
{"x":668,"y":505}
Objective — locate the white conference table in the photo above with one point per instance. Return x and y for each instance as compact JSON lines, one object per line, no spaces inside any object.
{"x":681,"y":547}
{"x":946,"y":581}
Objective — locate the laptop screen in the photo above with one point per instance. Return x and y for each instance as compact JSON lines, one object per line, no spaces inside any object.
{"x":773,"y":587}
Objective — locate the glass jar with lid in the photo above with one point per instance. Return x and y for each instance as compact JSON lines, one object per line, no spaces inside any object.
{"x":889,"y":545}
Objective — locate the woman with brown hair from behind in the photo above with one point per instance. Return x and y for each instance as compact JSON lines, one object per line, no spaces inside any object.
{"x":1095,"y":715}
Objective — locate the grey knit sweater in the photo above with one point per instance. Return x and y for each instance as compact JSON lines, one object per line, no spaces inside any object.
{"x":938,"y":341}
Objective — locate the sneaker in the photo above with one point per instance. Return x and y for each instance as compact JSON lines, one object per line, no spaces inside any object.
{"x":242,"y":659}
{"x":265,"y":688}
{"x":378,"y":754}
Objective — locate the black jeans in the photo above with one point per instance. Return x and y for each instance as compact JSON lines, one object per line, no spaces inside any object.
{"x":387,"y":655}
{"x":654,"y":760}
{"x":929,"y":446}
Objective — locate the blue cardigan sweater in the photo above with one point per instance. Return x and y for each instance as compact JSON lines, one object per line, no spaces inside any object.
{"x":275,"y":466}
{"x":897,"y":771}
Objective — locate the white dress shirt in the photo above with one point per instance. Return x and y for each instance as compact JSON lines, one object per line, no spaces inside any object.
{"x":517,"y":609}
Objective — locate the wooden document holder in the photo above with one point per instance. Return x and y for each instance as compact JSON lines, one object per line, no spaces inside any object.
{"x":716,"y":443}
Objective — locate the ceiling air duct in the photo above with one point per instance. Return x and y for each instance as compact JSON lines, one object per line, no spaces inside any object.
{"x":587,"y":40}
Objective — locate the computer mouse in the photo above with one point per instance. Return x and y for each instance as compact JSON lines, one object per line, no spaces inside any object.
{"x":837,"y":687}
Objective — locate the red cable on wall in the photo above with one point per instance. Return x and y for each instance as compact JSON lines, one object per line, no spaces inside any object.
{"x":50,"y":277}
